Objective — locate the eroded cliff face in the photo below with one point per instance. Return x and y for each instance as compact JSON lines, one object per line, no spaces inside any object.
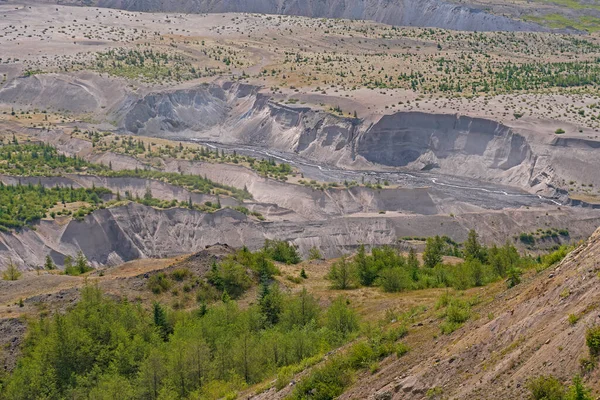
{"x":425,"y":13}
{"x":239,"y":114}
{"x":451,"y":144}
{"x":402,"y":139}
{"x":234,"y":113}
{"x":115,"y":235}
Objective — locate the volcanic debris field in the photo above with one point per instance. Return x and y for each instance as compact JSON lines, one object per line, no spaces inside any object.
{"x":360,"y":199}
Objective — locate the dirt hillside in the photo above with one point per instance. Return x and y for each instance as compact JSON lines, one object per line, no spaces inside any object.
{"x":524,"y":332}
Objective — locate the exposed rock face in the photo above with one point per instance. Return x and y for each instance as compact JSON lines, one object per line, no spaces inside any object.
{"x":427,"y":13}
{"x":80,"y":93}
{"x":176,"y":111}
{"x":402,"y":139}
{"x":115,"y":235}
{"x":234,"y":113}
{"x":239,"y":114}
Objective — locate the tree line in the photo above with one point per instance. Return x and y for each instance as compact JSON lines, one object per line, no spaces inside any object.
{"x":395,"y":272}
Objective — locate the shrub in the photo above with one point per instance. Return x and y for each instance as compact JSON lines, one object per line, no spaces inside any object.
{"x":181,"y":274}
{"x":401,"y":349}
{"x":455,"y":314}
{"x":527,"y":238}
{"x":514,"y":277}
{"x":592,"y":338}
{"x":342,"y":274}
{"x":282,"y":251}
{"x":394,"y":280}
{"x":341,"y":318}
{"x":573,"y":318}
{"x":361,"y":355}
{"x":159,"y":283}
{"x":11,"y":273}
{"x":556,"y":256}
{"x":577,"y":391}
{"x":81,"y":265}
{"x":545,"y":388}
{"x":326,"y":382}
{"x":231,"y":277}
{"x":284,"y":377}
{"x":314,"y":254}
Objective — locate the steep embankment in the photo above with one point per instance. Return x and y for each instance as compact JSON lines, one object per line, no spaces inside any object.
{"x":232,"y":113}
{"x":82,"y":92}
{"x":114,"y":235}
{"x":427,"y":13}
{"x":525,"y":332}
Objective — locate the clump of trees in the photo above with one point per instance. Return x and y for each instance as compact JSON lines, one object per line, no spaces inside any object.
{"x":108,"y":348}
{"x":22,"y":205}
{"x":78,"y":266}
{"x":394,"y":272}
{"x":282,"y":251}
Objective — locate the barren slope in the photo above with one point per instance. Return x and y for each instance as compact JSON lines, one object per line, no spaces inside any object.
{"x":523,"y":333}
{"x":427,"y":13}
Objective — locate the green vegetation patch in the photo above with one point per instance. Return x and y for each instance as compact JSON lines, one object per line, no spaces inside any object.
{"x":23,"y":205}
{"x":106,"y":347}
{"x":387,"y":268}
{"x":586,"y":23}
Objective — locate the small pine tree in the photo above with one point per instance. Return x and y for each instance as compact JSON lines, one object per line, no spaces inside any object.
{"x":161,"y":322}
{"x":514,"y":277}
{"x":11,"y":273}
{"x":342,"y":274}
{"x":303,"y":274}
{"x":49,"y":264}
{"x":412,"y":262}
{"x":577,"y":391}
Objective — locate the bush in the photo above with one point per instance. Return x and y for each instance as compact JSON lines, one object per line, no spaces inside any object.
{"x":181,"y":274}
{"x":11,"y":273}
{"x":556,"y":256}
{"x":592,"y":338}
{"x":282,"y":251}
{"x":545,"y":388}
{"x":573,"y":318}
{"x":284,"y":377}
{"x":231,"y":277}
{"x":159,"y":283}
{"x":326,"y":382}
{"x":341,"y":318}
{"x":455,"y":314}
{"x":527,"y":238}
{"x":361,"y":355}
{"x":394,"y":280}
{"x":81,"y":265}
{"x":514,"y":277}
{"x":314,"y":254}
{"x":401,"y":349}
{"x":577,"y":391}
{"x":342,"y":275}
